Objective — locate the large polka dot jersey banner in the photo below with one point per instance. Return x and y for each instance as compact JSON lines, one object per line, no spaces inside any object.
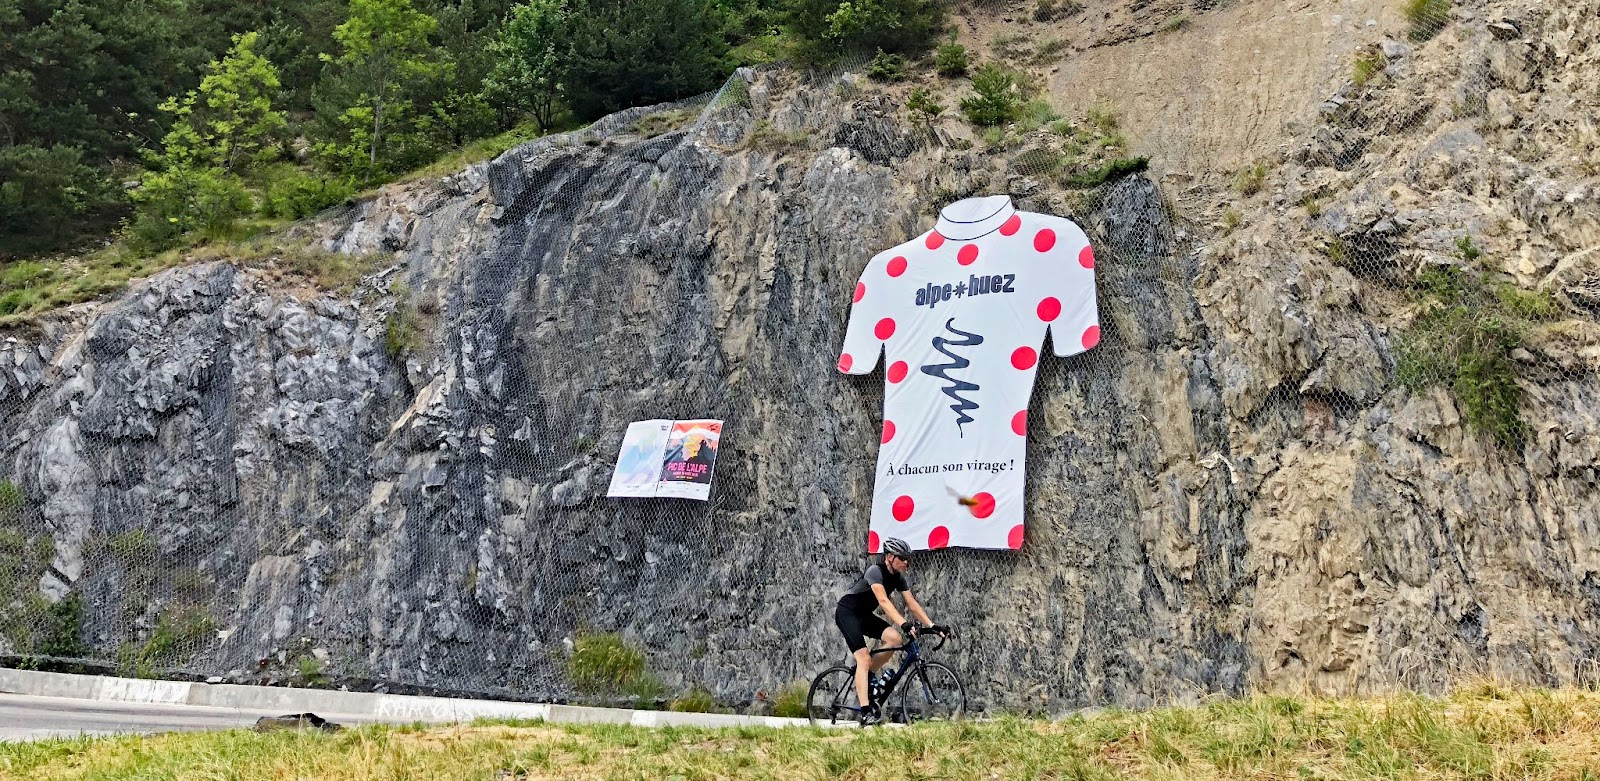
{"x":959,"y":316}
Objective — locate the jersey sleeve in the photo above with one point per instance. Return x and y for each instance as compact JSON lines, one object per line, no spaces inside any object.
{"x":1076,"y":328}
{"x":874,"y":576}
{"x":870,"y":323}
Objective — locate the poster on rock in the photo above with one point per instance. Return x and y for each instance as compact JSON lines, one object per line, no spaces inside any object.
{"x":667,"y":458}
{"x":958,"y":316}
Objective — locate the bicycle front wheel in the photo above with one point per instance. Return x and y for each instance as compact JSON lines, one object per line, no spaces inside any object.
{"x":932,"y":692}
{"x":832,"y":698}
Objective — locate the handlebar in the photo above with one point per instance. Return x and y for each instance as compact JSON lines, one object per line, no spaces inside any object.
{"x":917,"y":633}
{"x":944,"y":637}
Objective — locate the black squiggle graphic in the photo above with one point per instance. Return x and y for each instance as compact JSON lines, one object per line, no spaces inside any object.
{"x":956,"y":387}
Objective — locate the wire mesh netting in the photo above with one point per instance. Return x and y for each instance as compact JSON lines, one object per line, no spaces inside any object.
{"x":1343,"y":383}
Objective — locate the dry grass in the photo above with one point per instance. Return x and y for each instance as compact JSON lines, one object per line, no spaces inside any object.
{"x":1484,"y":733}
{"x":30,"y":290}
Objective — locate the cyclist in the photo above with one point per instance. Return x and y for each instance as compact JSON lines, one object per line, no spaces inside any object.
{"x":855,"y":618}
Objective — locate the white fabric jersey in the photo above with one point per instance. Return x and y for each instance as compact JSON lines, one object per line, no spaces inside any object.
{"x":961,"y":314}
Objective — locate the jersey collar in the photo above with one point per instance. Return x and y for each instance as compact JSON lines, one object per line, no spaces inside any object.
{"x":972,"y":218}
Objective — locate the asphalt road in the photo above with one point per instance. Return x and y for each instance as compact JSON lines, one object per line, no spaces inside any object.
{"x":25,"y":717}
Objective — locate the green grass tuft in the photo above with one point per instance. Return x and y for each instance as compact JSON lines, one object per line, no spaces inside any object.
{"x":1426,"y":18}
{"x":698,"y":700}
{"x":790,"y":701}
{"x":605,"y":664}
{"x":1463,"y":340}
{"x":1251,"y":179}
{"x":1110,"y":172}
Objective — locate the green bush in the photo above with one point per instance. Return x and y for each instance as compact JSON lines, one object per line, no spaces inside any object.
{"x":887,"y":67}
{"x":294,"y":194}
{"x":826,"y":29}
{"x":922,"y":105}
{"x":1110,"y":172}
{"x":177,"y":201}
{"x":1531,"y":305}
{"x":951,"y":59}
{"x":37,"y":627}
{"x":605,"y":664}
{"x":63,"y":628}
{"x":402,"y":334}
{"x":1425,"y":17}
{"x":42,"y":191}
{"x":11,"y":501}
{"x":19,"y":301}
{"x":998,"y":99}
{"x":179,"y":631}
{"x":790,"y":702}
{"x":310,"y":671}
{"x":1463,"y":340}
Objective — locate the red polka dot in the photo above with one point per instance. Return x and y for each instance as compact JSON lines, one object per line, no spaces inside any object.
{"x":888,"y":430}
{"x":885,"y":328}
{"x":968,"y":255}
{"x":1049,"y":309}
{"x":897,"y":266}
{"x":845,"y":361}
{"x":1019,"y":423}
{"x":898,"y":370}
{"x":1012,"y":226}
{"x":939,"y":537}
{"x":1014,"y":539}
{"x":984,"y":505}
{"x":1086,"y":257}
{"x":1044,"y":240}
{"x":1091,"y":336}
{"x":1024,"y":358}
{"x":872,"y":542}
{"x":903,"y":507}
{"x":935,"y":241}
{"x":861,"y":291}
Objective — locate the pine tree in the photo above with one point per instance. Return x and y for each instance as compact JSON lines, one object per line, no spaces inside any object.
{"x":638,"y":52}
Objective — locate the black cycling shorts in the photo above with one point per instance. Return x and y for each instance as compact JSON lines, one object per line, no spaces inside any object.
{"x":858,"y":627}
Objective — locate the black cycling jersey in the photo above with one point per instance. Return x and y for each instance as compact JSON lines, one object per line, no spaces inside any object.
{"x":860,"y":599}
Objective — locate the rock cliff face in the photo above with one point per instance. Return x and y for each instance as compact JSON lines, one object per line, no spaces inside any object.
{"x":1230,"y":492}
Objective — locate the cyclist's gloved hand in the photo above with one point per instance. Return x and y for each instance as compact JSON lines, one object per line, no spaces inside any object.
{"x":909,"y":627}
{"x":940,"y":629}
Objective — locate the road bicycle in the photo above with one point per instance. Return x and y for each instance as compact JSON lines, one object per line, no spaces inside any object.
{"x":918,"y":690}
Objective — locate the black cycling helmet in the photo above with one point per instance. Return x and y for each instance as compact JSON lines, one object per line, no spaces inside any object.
{"x":897,"y":547}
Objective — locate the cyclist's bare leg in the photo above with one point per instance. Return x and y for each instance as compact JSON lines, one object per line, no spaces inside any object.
{"x":891,"y":638}
{"x":863,"y":661}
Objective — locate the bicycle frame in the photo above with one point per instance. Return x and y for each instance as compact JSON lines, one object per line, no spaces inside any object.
{"x":913,"y":652}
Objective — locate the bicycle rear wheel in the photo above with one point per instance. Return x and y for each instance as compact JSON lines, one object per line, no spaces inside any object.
{"x":832,"y":697}
{"x":932,"y":692}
